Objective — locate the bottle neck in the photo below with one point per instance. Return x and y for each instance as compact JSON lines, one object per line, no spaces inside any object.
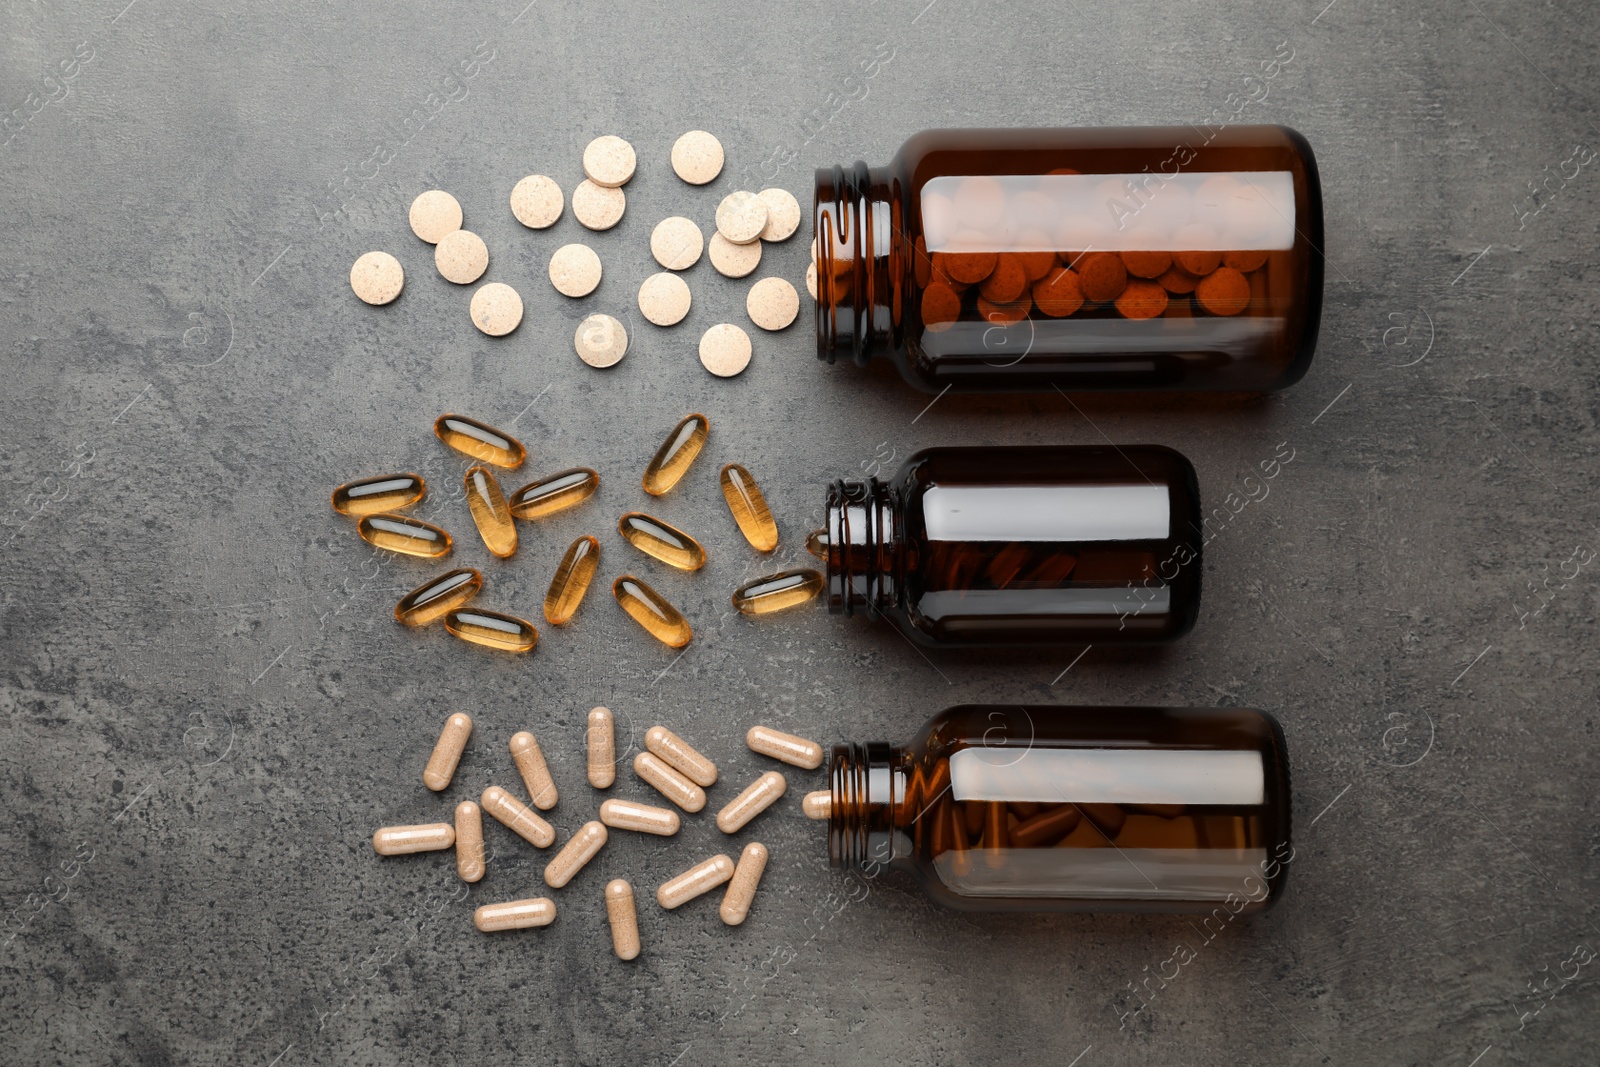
{"x":868,"y":785}
{"x":856,"y":232}
{"x":863,"y":547}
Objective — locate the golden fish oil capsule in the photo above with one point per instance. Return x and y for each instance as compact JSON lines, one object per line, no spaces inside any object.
{"x":447,"y":752}
{"x":818,"y":805}
{"x":404,"y":840}
{"x":624,"y":919}
{"x":517,"y":817}
{"x":398,"y":533}
{"x":515,"y":915}
{"x":641,"y":818}
{"x":701,"y":878}
{"x":668,"y":782}
{"x":680,"y":756}
{"x":439,"y":596}
{"x":387,"y":492}
{"x":796,"y":751}
{"x":651,"y":610}
{"x":602,"y":747}
{"x":489,"y":511}
{"x":817,"y":544}
{"x":662,"y":540}
{"x":776,"y":592}
{"x":758,"y":796}
{"x":676,"y":453}
{"x":492,"y":629}
{"x":574,"y":854}
{"x":571,"y":580}
{"x":742,"y":887}
{"x":556,"y":493}
{"x":749,"y":508}
{"x":469,"y":841}
{"x":480,"y":440}
{"x":529,"y":758}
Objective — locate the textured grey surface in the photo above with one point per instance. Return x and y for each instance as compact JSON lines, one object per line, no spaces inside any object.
{"x":205,"y":706}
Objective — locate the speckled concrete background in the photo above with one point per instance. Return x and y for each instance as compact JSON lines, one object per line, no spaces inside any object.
{"x":207,"y":708}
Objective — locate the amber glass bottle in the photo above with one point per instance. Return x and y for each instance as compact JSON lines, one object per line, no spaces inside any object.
{"x":1051,"y":808}
{"x":992,"y":546}
{"x":1029,"y":259}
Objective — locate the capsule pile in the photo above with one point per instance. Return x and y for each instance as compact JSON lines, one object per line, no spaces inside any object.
{"x":668,"y":763}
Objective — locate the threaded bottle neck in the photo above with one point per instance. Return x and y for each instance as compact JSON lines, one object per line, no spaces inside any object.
{"x":854,"y":219}
{"x":863,"y":547}
{"x":868,"y":788}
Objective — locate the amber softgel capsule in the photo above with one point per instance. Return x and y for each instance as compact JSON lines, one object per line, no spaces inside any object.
{"x":749,"y":508}
{"x":796,"y":751}
{"x":601,"y":737}
{"x":386,"y":492}
{"x":529,"y":758}
{"x":673,"y":459}
{"x":490,"y":512}
{"x":571,"y":580}
{"x":655,"y":537}
{"x":623,"y":916}
{"x":681,"y":756}
{"x":492,"y":629}
{"x":652,"y":611}
{"x":518,"y":817}
{"x":408,"y":536}
{"x":447,"y":752}
{"x":404,"y":840}
{"x":775,"y":592}
{"x":559,"y":491}
{"x":480,"y":440}
{"x":437,"y":597}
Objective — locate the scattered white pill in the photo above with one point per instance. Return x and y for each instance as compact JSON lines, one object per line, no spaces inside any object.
{"x":597,"y":206}
{"x":601,"y":341}
{"x":664,"y":299}
{"x":609,"y":161}
{"x":496,"y":309}
{"x":783,"y":214}
{"x":772,"y":303}
{"x":731,"y":260}
{"x":697,"y":157}
{"x":461,"y":257}
{"x":537,"y":202}
{"x":725,"y":350}
{"x":741,"y":217}
{"x":377,"y":277}
{"x":676,"y":243}
{"x":434,"y":214}
{"x":575,"y":270}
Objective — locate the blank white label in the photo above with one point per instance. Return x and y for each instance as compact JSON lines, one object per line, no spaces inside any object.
{"x":1047,"y":513}
{"x":1108,"y":775}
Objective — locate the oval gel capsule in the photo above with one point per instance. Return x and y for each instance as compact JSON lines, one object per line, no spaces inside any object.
{"x":673,"y":459}
{"x":489,"y":511}
{"x":571,"y":581}
{"x":775,"y":592}
{"x":652,"y":611}
{"x":558,"y":492}
{"x":662,"y":540}
{"x":480,"y":440}
{"x":387,"y":492}
{"x":439,"y":596}
{"x":492,"y":629}
{"x":398,"y":533}
{"x":749,"y":508}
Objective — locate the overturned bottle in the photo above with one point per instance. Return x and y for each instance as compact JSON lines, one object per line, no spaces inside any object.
{"x":1015,"y":546}
{"x":1030,"y":259}
{"x":1056,"y":808}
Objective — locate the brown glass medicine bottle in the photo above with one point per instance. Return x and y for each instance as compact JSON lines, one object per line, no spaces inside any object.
{"x":1017,"y":546}
{"x":1178,"y":258}
{"x":1054,"y":808}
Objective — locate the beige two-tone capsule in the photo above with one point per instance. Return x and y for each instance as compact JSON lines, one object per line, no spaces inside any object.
{"x":742,"y":888}
{"x":515,"y":915}
{"x":447,"y":752}
{"x":680,"y":756}
{"x":574,"y":854}
{"x":793,"y":750}
{"x":643,"y":818}
{"x":470,"y":861}
{"x":701,"y":878}
{"x":624,"y":918}
{"x":818,"y":805}
{"x":758,"y":796}
{"x":404,"y":840}
{"x":602,"y":738}
{"x":535,"y":772}
{"x":518,"y":817}
{"x":668,"y":782}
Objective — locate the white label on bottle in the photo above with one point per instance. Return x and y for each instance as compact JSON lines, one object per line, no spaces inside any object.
{"x":1108,"y":775}
{"x":1047,"y":513}
{"x":1215,"y":211}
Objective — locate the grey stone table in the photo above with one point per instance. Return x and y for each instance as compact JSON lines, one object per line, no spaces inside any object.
{"x":206,"y":708}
